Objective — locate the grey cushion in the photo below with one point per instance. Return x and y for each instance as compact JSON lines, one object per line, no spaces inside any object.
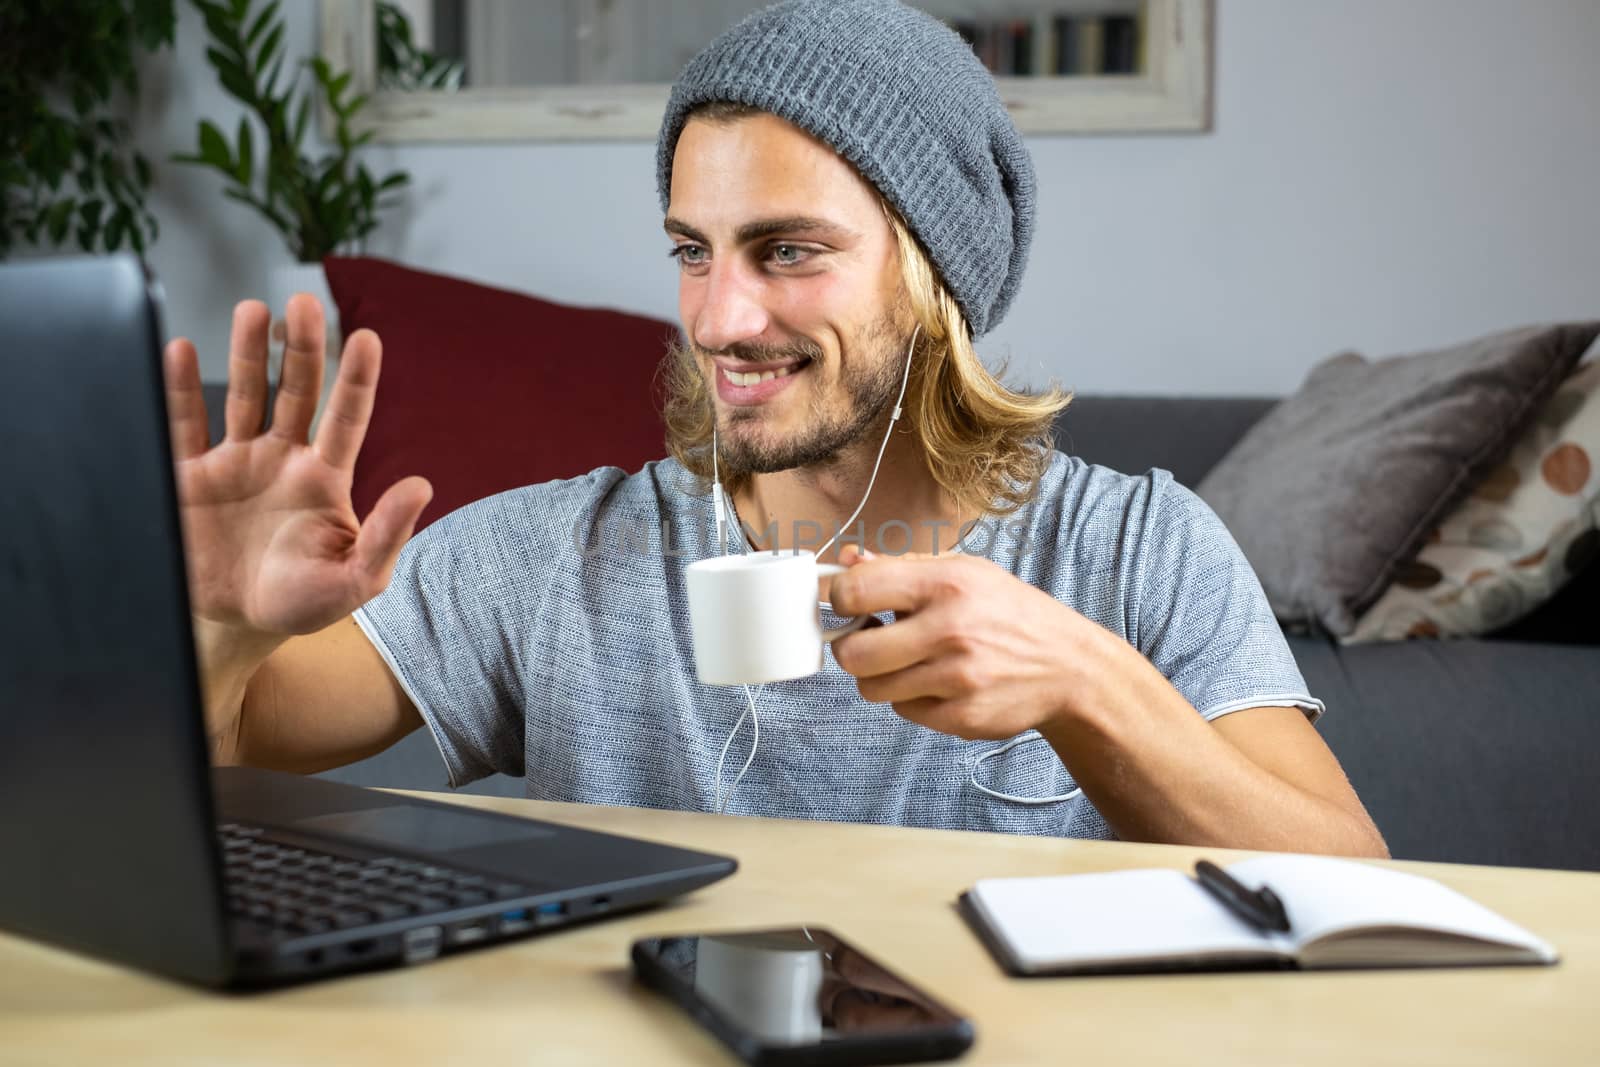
{"x":1340,"y":483}
{"x":1467,"y":751}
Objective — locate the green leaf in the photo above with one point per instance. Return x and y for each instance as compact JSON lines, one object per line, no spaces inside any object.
{"x":259,"y":26}
{"x":217,"y":22}
{"x":113,"y":235}
{"x":111,"y":173}
{"x":301,"y":115}
{"x":394,"y":181}
{"x":238,"y":85}
{"x":60,"y":219}
{"x":141,"y":170}
{"x":213,"y":148}
{"x":244,"y":167}
{"x":270,"y":86}
{"x":89,"y":211}
{"x":154,"y":22}
{"x":223,"y":61}
{"x":274,"y":39}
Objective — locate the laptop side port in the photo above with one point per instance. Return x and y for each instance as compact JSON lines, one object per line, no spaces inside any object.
{"x":470,"y":932}
{"x":516,"y":921}
{"x":422,"y":943}
{"x":549,"y":914}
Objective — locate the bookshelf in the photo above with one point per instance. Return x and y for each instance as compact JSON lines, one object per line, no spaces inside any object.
{"x":1050,"y":39}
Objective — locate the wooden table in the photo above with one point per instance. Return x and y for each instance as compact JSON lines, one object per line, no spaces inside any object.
{"x":568,"y":997}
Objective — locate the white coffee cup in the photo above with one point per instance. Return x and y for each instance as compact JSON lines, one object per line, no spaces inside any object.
{"x":755,"y":617}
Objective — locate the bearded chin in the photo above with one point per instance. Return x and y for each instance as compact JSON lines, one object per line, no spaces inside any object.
{"x":845,"y":415}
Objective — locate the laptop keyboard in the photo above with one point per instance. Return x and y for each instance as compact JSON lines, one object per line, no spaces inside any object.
{"x":294,"y":891}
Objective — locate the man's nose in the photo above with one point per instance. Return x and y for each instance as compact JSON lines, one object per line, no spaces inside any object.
{"x":733,"y":311}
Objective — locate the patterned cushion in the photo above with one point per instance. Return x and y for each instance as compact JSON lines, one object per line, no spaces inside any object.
{"x":1528,"y":527}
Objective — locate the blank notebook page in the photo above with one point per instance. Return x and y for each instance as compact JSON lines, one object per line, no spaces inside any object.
{"x":1325,"y":895}
{"x":1119,"y":915}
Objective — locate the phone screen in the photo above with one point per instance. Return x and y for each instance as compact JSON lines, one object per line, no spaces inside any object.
{"x":800,"y":995}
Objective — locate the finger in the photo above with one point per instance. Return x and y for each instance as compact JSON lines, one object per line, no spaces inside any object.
{"x":186,"y":400}
{"x":388,"y":528}
{"x":344,"y":423}
{"x":932,"y":712}
{"x":883,"y":649}
{"x":921,"y":681}
{"x":247,"y":371}
{"x":888,"y":584}
{"x":301,"y":381}
{"x":851,"y":554}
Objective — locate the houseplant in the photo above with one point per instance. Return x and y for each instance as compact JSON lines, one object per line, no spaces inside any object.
{"x":404,"y":65}
{"x":66,"y":172}
{"x":319,"y":202}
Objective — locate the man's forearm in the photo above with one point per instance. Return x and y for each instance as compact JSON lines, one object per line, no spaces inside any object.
{"x":228,"y":658}
{"x":1158,"y":772}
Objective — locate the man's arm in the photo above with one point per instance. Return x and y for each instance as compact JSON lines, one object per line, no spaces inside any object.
{"x":277,"y":558}
{"x":1259,"y":778}
{"x":980,"y":654}
{"x":317,"y":701}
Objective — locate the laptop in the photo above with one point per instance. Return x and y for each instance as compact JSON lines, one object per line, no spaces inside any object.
{"x":118,"y":839}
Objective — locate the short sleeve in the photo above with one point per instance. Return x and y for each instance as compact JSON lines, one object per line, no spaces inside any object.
{"x":460,"y":614}
{"x":1202,"y":617}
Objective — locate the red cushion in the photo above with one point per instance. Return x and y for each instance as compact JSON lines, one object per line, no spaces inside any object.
{"x":485,"y":390}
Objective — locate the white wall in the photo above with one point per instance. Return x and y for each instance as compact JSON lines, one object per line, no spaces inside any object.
{"x":1383,"y":174}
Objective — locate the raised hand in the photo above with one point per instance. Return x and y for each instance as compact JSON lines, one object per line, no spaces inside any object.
{"x":274,"y":546}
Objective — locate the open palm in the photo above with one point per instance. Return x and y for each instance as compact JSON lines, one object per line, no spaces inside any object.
{"x":272,"y":541}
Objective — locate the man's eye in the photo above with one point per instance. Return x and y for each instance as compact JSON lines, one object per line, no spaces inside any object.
{"x":691,"y":255}
{"x":788,"y":255}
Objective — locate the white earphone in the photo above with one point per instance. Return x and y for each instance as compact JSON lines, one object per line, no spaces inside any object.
{"x":720,"y":504}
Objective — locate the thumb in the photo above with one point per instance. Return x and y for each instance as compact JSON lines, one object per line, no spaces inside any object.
{"x":388,"y":527}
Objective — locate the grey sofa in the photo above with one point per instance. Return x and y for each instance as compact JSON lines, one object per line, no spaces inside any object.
{"x":1481,"y":751}
{"x":1472,"y":751}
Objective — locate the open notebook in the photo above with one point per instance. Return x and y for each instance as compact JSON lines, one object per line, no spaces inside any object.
{"x":1342,"y":913}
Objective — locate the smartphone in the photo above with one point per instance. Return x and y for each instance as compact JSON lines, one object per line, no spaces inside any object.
{"x":800,"y":995}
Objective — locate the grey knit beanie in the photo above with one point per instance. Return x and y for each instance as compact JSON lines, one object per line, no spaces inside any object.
{"x":905,"y":101}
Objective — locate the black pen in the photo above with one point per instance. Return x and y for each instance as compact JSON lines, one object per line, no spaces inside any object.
{"x":1260,"y":908}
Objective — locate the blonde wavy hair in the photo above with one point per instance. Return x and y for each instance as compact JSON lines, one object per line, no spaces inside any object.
{"x":985,"y":444}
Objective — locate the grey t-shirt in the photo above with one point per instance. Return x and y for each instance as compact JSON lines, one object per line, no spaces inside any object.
{"x":544,"y":633}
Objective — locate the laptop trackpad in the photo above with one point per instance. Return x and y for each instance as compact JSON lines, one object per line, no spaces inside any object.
{"x":422,"y":829}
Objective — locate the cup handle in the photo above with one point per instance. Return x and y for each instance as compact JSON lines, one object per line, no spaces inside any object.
{"x":830,"y":636}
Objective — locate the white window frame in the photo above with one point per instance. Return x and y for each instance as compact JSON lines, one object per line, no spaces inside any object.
{"x":1174,"y":95}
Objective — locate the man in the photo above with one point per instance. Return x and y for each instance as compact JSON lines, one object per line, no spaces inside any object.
{"x":847,"y":201}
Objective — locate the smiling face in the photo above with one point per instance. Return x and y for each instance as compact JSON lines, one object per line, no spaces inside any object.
{"x":789,"y":291}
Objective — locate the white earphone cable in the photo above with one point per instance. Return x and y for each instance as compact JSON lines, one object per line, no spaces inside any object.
{"x":894,"y":417}
{"x":721,"y":506}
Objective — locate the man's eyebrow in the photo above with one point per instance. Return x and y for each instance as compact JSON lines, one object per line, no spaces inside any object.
{"x":679,"y":228}
{"x":753,"y":231}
